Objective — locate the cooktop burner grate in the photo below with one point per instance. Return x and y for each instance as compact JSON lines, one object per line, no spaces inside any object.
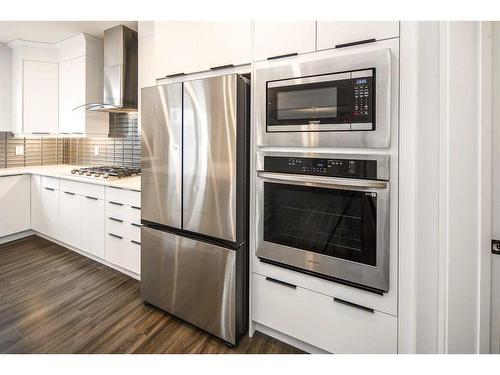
{"x":106,"y":172}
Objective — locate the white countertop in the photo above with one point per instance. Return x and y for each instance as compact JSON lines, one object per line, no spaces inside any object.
{"x":64,"y":171}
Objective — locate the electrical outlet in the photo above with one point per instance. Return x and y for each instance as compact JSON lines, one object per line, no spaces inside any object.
{"x":19,"y":150}
{"x":96,"y":150}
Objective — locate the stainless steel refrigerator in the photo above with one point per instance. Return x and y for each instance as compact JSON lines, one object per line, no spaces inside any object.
{"x":195,"y":161}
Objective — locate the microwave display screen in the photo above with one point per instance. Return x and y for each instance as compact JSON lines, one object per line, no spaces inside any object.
{"x":307,"y":103}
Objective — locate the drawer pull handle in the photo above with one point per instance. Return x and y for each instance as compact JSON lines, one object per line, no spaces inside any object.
{"x":69,"y":193}
{"x":50,"y":189}
{"x":116,"y":203}
{"x":93,"y":198}
{"x":136,"y":225}
{"x":114,"y":219}
{"x":281,"y":283}
{"x":135,"y":207}
{"x":136,"y":242}
{"x":283,"y":56}
{"x":116,"y":236}
{"x":364,"y":308}
{"x":350,"y":44}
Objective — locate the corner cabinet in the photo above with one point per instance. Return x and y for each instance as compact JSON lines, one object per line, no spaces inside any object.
{"x":14,"y":204}
{"x":187,"y":47}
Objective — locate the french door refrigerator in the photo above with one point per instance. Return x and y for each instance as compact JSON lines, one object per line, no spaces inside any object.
{"x":195,"y":161}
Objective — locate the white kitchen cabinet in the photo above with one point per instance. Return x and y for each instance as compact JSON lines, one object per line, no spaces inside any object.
{"x":40,"y":97}
{"x":123,"y":252}
{"x":222,"y":43}
{"x":49,"y":207}
{"x":5,"y":88}
{"x":329,"y":323}
{"x":332,"y":33}
{"x":92,"y":225}
{"x":70,"y":218}
{"x":14,"y":204}
{"x":276,"y":38}
{"x":36,"y":186}
{"x":176,"y":47}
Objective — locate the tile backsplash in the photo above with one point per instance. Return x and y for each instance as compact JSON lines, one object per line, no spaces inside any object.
{"x":122,"y":147}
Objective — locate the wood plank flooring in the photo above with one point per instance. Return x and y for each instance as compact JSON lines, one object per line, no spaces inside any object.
{"x":53,"y":300}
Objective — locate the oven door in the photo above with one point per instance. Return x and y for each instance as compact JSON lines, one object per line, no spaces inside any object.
{"x":335,"y":228}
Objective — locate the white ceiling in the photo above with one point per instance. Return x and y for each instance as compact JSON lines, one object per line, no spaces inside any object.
{"x":55,"y":31}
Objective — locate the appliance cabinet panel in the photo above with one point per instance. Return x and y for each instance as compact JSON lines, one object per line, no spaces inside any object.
{"x":14,"y":204}
{"x":332,"y":33}
{"x":319,"y":320}
{"x":176,"y":47}
{"x":40,"y":97}
{"x":70,"y":219}
{"x":193,"y":280}
{"x":276,"y":38}
{"x":232,"y":42}
{"x":209,"y":150}
{"x":161,"y":161}
{"x":92,"y":226}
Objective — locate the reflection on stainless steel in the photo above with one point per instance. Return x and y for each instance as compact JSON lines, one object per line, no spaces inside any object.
{"x":192,"y":280}
{"x":161,"y":161}
{"x":328,"y":135}
{"x":376,"y":277}
{"x":209,"y":199}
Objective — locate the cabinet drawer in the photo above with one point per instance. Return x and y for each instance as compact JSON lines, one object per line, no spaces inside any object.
{"x":81,"y":188}
{"x":130,"y":231}
{"x":121,"y":211}
{"x":127,"y":197}
{"x":50,"y":183}
{"x":124,"y":253}
{"x":333,"y":325}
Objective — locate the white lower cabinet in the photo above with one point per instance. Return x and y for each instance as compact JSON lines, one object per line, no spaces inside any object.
{"x":70,"y":218}
{"x":36,"y":202}
{"x":92,"y":224}
{"x":337,"y":326}
{"x":49,"y":210}
{"x":123,"y":252}
{"x":14,"y":204}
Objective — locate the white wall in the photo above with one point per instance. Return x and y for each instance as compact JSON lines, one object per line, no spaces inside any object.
{"x":5,"y":87}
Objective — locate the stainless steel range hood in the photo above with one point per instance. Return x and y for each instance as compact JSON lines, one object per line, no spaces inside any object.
{"x":120,"y":72}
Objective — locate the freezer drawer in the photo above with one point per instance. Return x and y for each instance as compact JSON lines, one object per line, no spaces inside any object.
{"x":192,"y":280}
{"x":161,"y":161}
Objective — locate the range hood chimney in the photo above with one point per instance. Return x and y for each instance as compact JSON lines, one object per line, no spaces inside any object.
{"x":120,"y":72}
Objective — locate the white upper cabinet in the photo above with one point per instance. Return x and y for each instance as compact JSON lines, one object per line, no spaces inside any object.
{"x":5,"y":91}
{"x":281,"y":38}
{"x":80,"y":82}
{"x":224,"y":43}
{"x":333,"y":33}
{"x":187,"y":47}
{"x":175,"y":47}
{"x":40,"y":97}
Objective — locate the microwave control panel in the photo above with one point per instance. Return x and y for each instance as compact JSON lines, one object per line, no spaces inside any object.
{"x":362,"y":101}
{"x":322,"y":166}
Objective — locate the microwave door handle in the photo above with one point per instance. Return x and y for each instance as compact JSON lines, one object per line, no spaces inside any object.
{"x":331,"y":181}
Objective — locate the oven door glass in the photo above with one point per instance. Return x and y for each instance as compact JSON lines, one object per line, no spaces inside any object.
{"x":331,"y":222}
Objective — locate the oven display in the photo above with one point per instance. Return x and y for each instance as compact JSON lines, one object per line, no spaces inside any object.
{"x":322,"y":167}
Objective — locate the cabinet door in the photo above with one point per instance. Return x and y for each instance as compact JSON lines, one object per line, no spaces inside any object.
{"x":176,"y":48}
{"x":72,"y":95}
{"x":92,"y":226}
{"x":49,"y":212}
{"x":14,"y":204}
{"x":40,"y":97}
{"x":36,"y":183}
{"x":332,"y":33}
{"x":224,"y":43}
{"x":70,"y":220}
{"x":280,"y":38}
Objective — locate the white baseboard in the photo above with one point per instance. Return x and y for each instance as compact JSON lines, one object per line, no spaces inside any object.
{"x":288,"y":339}
{"x":16,"y":236}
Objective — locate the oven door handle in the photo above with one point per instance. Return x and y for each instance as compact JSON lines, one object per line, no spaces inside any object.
{"x":320,"y":180}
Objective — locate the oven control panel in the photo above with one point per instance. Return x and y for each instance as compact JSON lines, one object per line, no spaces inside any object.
{"x":322,"y":166}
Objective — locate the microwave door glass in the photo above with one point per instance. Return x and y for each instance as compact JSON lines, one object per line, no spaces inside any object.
{"x":307,"y":103}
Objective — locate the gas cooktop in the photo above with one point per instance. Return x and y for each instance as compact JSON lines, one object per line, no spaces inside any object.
{"x":106,"y":172}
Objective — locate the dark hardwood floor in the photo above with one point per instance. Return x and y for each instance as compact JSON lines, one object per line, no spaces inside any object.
{"x":53,"y":300}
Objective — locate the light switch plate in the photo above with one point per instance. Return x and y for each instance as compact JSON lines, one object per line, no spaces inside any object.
{"x":19,"y":150}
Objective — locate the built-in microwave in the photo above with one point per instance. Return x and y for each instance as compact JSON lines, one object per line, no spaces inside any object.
{"x":327,"y":215}
{"x":336,"y":101}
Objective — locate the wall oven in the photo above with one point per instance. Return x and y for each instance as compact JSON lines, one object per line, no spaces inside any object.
{"x":326,"y":215}
{"x":336,"y":101}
